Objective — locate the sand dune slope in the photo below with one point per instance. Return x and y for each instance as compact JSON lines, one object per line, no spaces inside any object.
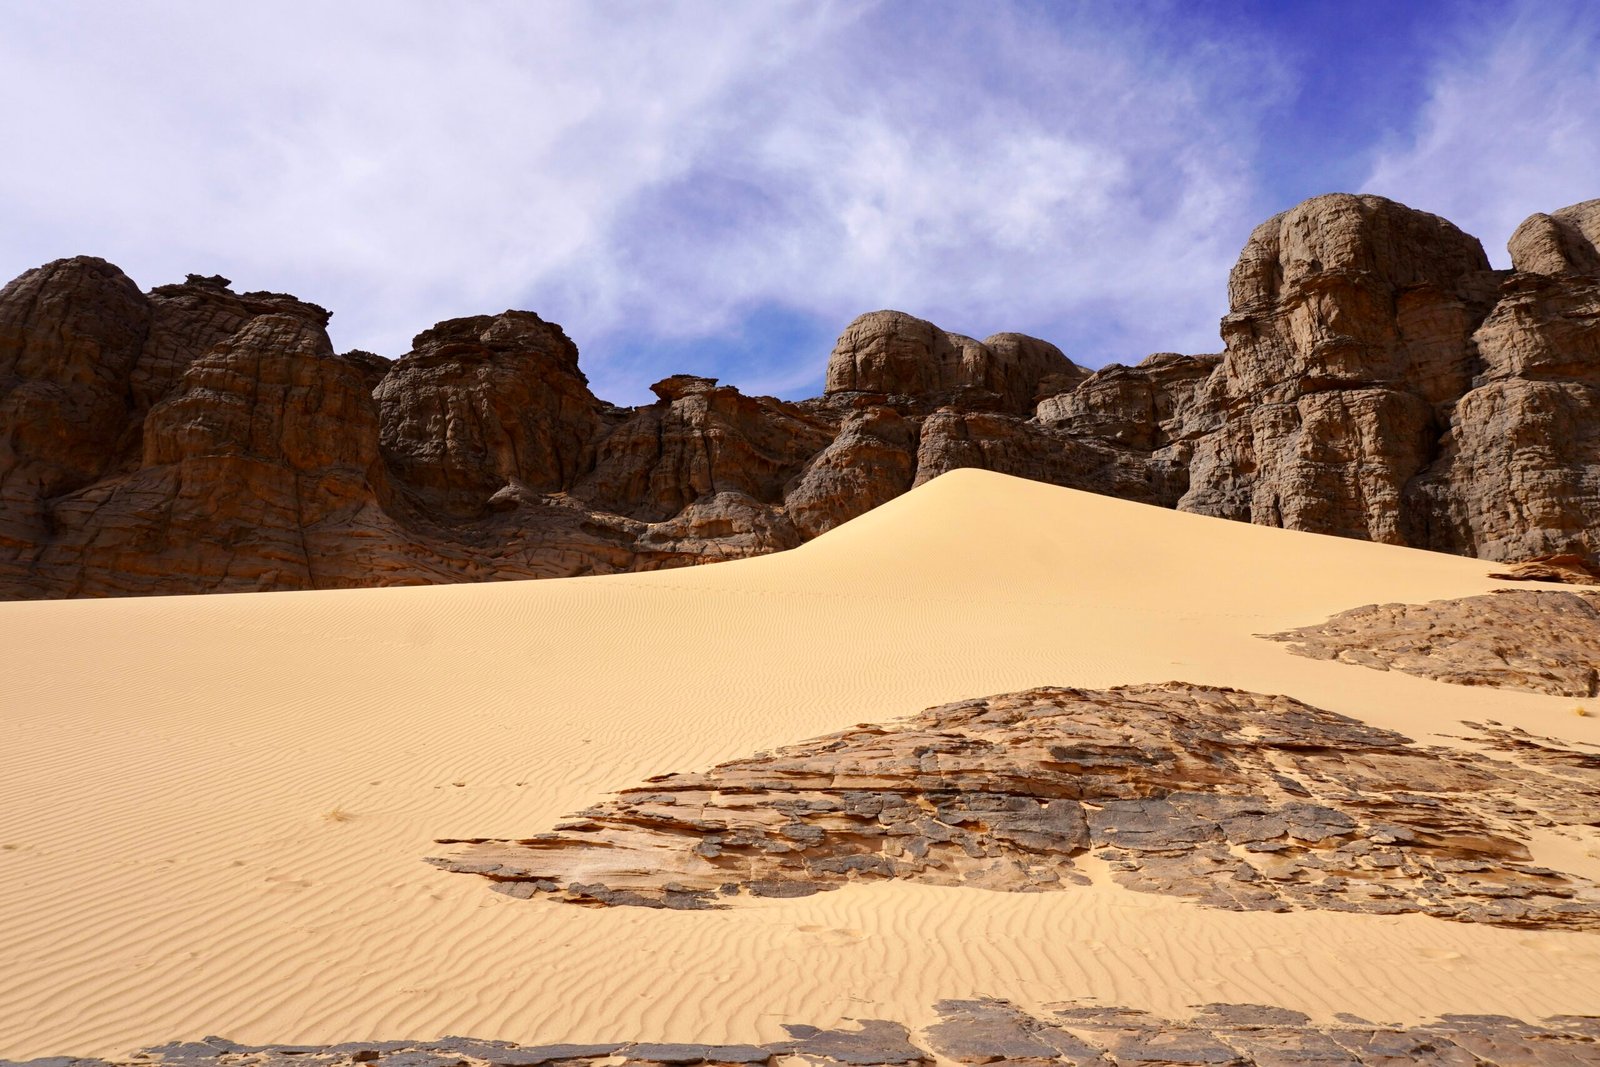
{"x":213,"y":810}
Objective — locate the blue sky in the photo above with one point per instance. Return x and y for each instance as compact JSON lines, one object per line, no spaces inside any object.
{"x":718,"y":188}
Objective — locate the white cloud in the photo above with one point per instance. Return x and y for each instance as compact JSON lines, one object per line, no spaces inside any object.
{"x":1511,"y":126}
{"x":639,"y":170}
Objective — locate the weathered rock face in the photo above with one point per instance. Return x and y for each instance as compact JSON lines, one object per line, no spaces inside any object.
{"x":700,"y":439}
{"x":484,"y":401}
{"x":268,"y":444}
{"x":895,"y":354}
{"x":871,"y":461}
{"x":1378,"y":381}
{"x":1562,"y":242}
{"x":1349,"y":329}
{"x":1542,"y":641}
{"x":1518,"y":470}
{"x":70,"y":335}
{"x":1237,"y":800}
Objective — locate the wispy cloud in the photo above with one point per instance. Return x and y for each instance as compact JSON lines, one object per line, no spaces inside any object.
{"x":1511,"y":125}
{"x":646,"y":175}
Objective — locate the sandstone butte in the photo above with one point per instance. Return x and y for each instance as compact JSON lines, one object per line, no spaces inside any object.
{"x":1378,"y":380}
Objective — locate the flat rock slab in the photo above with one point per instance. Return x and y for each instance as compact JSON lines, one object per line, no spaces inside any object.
{"x":1546,"y":641}
{"x":974,"y":1032}
{"x":1237,"y":800}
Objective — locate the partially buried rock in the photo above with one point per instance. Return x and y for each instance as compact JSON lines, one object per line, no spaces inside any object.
{"x":1237,"y":800}
{"x":1538,"y":640}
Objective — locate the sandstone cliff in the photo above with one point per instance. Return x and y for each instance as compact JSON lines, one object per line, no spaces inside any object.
{"x":1378,"y":380}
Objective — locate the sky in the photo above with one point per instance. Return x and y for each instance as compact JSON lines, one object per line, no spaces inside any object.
{"x":719,"y":188}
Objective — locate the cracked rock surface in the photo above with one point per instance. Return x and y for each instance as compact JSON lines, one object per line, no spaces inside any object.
{"x":1237,"y":800}
{"x":1547,"y":641}
{"x":978,"y":1032}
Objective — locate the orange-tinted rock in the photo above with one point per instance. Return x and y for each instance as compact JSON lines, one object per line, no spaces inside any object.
{"x":70,"y":335}
{"x":269,"y":441}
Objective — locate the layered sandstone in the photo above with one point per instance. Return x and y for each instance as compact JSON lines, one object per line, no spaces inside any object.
{"x":1541,"y":641}
{"x":1067,"y":1034}
{"x":1236,"y":800}
{"x":1378,"y":380}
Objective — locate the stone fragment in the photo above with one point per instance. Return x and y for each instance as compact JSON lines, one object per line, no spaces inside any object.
{"x":685,"y":1054}
{"x":536,"y":1055}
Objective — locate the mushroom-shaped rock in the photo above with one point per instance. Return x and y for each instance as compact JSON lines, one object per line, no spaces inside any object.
{"x":678,"y":386}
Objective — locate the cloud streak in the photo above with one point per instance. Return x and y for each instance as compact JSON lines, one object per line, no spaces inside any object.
{"x":1510,"y":126}
{"x":722,"y":185}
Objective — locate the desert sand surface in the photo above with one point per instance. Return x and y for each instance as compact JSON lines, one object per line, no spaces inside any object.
{"x":214,"y":810}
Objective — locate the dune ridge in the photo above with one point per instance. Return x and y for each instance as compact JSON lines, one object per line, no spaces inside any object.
{"x":168,"y":867}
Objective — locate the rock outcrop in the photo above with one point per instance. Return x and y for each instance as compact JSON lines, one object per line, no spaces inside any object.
{"x":1236,"y":800}
{"x":1541,"y":641}
{"x":1069,"y":1034}
{"x":1348,"y":335}
{"x":482,"y":403}
{"x":1378,"y":381}
{"x":890,"y":353}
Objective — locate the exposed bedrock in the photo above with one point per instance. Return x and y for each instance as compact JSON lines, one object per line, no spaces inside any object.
{"x":1378,"y":380}
{"x":1236,"y":800}
{"x":1065,"y":1034}
{"x":1543,"y":641}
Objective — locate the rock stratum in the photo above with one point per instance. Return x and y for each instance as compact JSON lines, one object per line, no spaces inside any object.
{"x":1070,"y":1034}
{"x":1235,"y":800}
{"x":1543,"y":642}
{"x":1378,"y":380}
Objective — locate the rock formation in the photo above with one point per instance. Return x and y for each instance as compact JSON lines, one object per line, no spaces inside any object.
{"x":1236,"y":800}
{"x":1071,"y":1034}
{"x":1378,"y":380}
{"x":1540,"y":641}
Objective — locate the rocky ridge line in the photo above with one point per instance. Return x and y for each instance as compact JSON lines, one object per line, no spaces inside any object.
{"x":1378,"y":380}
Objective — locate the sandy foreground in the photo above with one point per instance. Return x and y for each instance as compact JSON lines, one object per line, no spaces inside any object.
{"x":214,"y":810}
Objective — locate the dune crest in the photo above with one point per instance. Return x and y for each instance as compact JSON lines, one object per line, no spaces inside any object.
{"x":170,"y":766}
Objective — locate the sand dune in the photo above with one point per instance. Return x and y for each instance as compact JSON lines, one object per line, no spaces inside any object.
{"x":213,"y":810}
